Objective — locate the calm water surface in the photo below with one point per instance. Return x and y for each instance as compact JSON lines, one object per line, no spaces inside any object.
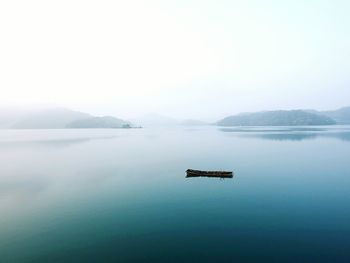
{"x":122,"y":195}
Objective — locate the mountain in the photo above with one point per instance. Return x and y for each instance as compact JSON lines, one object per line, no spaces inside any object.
{"x":191,"y":122}
{"x":50,"y":119}
{"x":156,"y":120}
{"x":341,"y":116}
{"x":59,"y":118}
{"x":9,"y":116}
{"x":56,"y":118}
{"x":99,"y":122}
{"x":276,"y":118}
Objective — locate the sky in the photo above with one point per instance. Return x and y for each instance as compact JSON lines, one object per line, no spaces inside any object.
{"x":185,"y":58}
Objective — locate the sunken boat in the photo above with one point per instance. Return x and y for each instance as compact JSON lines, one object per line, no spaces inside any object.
{"x":217,"y":174}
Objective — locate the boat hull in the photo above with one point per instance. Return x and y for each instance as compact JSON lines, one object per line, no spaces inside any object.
{"x":217,"y":174}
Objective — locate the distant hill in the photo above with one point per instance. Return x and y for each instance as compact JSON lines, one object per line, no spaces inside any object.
{"x":9,"y":116}
{"x":56,"y":118}
{"x":276,"y":118}
{"x":341,"y":116}
{"x":60,"y":118}
{"x":99,"y":122}
{"x":50,"y":119}
{"x":191,"y":122}
{"x":156,"y":120}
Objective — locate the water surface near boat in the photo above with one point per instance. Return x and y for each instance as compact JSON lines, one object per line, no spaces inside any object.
{"x":121,"y":195}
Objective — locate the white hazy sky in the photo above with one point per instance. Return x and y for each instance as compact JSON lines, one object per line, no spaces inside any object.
{"x":188,"y":59}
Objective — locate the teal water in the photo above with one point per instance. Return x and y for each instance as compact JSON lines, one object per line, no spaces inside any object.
{"x":122,"y":195}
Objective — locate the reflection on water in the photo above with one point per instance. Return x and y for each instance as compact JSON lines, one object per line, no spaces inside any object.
{"x":121,"y":195}
{"x":291,"y":133}
{"x":23,"y":186}
{"x":51,"y":143}
{"x":272,"y":129}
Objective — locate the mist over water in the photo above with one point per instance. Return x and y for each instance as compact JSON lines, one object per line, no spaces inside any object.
{"x":121,"y":195}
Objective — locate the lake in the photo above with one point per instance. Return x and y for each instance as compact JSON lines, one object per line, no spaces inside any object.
{"x":120,"y":195}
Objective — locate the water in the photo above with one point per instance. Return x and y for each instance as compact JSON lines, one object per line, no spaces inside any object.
{"x":122,"y":195}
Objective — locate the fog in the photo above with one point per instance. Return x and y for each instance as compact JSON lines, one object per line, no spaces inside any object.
{"x":186,"y":59}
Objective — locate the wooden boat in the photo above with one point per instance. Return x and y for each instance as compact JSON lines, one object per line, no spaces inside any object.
{"x":218,"y":174}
